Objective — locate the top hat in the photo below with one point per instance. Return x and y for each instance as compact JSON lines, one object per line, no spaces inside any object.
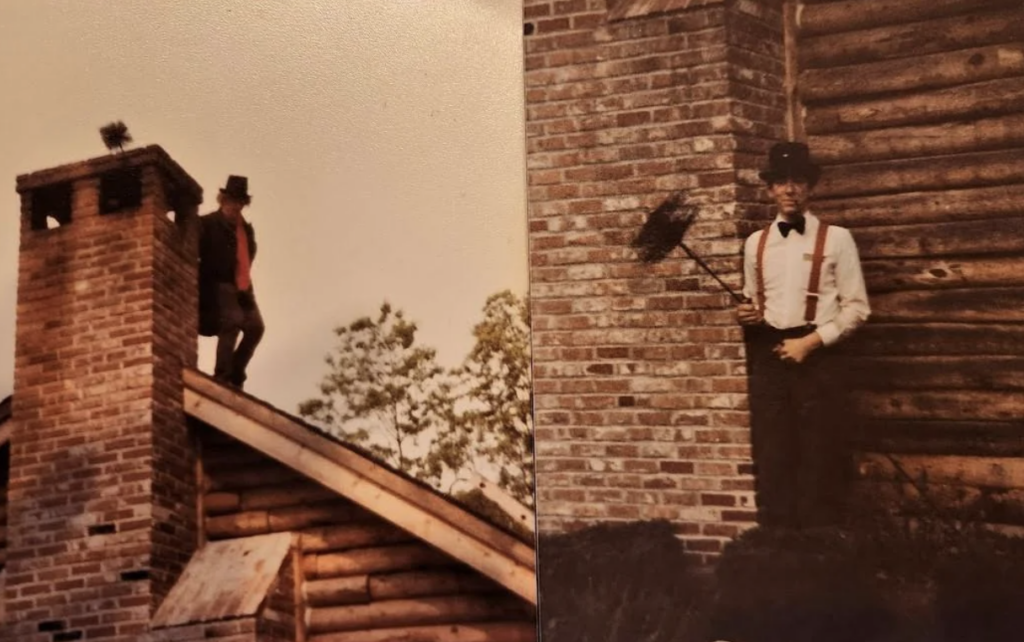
{"x":237,"y":187}
{"x":790,"y":160}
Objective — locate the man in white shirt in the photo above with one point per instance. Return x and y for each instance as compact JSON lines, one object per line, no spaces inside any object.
{"x":805,"y":293}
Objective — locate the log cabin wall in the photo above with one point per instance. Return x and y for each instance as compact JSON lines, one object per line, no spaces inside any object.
{"x":916,"y":108}
{"x":362,"y":578}
{"x":4,"y":468}
{"x":5,"y":455}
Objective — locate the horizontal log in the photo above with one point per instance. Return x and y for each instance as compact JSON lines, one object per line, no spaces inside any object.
{"x":480,"y":632}
{"x":964,"y":103}
{"x":418,"y":612}
{"x":382,"y":559}
{"x":936,"y":373}
{"x":937,"y":339}
{"x":337,"y":591}
{"x":293,"y":518}
{"x":278,"y":520}
{"x":250,"y":477}
{"x":305,"y":492}
{"x":875,"y":487}
{"x":886,"y":275}
{"x":922,"y":174}
{"x":851,"y":15}
{"x":989,"y":134}
{"x":940,"y":437}
{"x":999,"y":236}
{"x":355,"y":535}
{"x":362,"y":589}
{"x":237,"y":525}
{"x":964,"y":405}
{"x":396,"y":586}
{"x":988,"y":472}
{"x":913,"y":39}
{"x":221,"y":503}
{"x":956,"y":501}
{"x":908,"y":208}
{"x":935,"y":71}
{"x":984,"y":305}
{"x":937,"y":437}
{"x":234,"y":455}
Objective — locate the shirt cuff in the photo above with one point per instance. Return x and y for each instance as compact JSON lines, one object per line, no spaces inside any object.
{"x":829,"y":333}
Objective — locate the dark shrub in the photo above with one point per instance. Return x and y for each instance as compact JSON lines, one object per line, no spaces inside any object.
{"x":980,"y":590}
{"x":776,"y":585}
{"x":619,"y":583}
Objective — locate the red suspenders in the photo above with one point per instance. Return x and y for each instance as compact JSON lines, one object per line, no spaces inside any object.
{"x":817,"y":259}
{"x":812,"y":288}
{"x":760,"y":267}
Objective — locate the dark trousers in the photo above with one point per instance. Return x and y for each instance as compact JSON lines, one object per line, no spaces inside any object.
{"x":238,"y":315}
{"x":799,"y":427}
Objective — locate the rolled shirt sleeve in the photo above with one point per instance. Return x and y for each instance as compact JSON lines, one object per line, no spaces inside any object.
{"x":852,"y":295}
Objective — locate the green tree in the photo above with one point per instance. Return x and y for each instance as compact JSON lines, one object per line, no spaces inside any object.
{"x":381,"y":390}
{"x":490,"y":414}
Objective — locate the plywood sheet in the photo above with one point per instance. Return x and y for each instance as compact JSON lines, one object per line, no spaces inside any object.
{"x":224,"y":580}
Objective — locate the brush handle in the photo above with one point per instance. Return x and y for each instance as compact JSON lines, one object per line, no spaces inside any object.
{"x":704,"y":265}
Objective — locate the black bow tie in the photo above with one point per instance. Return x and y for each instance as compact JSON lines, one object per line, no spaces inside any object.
{"x":785,"y":227}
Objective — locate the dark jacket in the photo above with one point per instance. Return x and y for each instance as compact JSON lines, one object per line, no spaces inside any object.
{"x":218,"y":246}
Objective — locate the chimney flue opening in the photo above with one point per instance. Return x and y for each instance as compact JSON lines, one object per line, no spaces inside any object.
{"x":120,"y":189}
{"x":51,"y":206}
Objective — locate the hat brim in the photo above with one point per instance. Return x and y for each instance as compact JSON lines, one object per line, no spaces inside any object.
{"x":246,"y":198}
{"x":812,"y":174}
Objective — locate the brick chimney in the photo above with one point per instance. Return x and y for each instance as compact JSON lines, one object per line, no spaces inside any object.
{"x":102,"y":496}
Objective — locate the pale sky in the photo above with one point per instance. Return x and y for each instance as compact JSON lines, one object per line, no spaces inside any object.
{"x":383,"y":141}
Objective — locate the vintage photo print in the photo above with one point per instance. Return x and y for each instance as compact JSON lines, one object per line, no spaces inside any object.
{"x":265,"y":364}
{"x":775,"y":266}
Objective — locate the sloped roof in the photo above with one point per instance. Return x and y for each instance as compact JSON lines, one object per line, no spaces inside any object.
{"x":476,"y":480}
{"x":353,"y":473}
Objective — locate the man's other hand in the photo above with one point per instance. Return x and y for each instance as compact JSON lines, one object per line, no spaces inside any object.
{"x":797,"y":350}
{"x":748,"y":314}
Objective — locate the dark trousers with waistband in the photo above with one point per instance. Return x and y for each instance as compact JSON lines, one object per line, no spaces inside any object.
{"x":799,"y":418}
{"x":238,"y":315}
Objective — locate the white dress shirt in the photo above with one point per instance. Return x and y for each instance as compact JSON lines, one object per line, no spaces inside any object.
{"x":843,"y":300}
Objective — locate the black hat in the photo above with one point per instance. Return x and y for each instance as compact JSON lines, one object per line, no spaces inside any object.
{"x":237,"y":187}
{"x":790,"y":160}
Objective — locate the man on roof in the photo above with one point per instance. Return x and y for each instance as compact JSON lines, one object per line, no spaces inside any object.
{"x":227,"y":301}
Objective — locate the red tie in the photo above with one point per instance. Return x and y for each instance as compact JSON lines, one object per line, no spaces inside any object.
{"x":242,"y":280}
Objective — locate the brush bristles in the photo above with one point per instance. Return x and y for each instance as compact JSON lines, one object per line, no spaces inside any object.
{"x":664,"y":229}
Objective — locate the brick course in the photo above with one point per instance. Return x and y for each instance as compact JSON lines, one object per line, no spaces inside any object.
{"x":639,"y":370}
{"x":102,"y":514}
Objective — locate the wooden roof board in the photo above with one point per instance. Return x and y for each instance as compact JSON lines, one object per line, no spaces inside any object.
{"x":225,"y":580}
{"x":410,"y":505}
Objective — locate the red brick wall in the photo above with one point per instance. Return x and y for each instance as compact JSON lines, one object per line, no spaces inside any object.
{"x":639,"y":371}
{"x":175,"y":345}
{"x":101,"y":514}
